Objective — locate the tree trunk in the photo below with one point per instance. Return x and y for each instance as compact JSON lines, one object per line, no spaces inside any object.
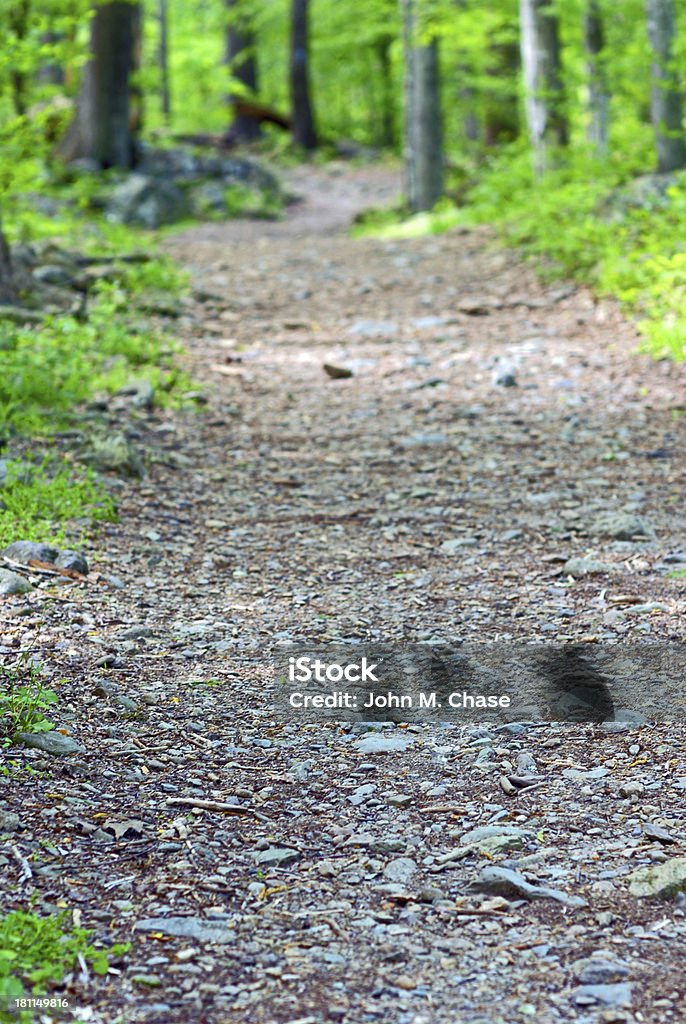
{"x":7,"y":292}
{"x":423,"y":124}
{"x":102,"y":127}
{"x":163,"y":59}
{"x":666,"y":102}
{"x":241,"y":48}
{"x":304,"y":133}
{"x":382,"y":49}
{"x":19,"y":25}
{"x":598,"y":90}
{"x":541,"y":62}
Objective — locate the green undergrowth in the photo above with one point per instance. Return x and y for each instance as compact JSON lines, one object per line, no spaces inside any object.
{"x":51,"y":501}
{"x":52,"y":369}
{"x":23,"y":699}
{"x":36,"y":954}
{"x":590,"y":222}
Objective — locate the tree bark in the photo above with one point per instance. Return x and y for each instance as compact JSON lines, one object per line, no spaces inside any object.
{"x":598,"y":90}
{"x":423,"y":122}
{"x":304,"y":132}
{"x":163,"y":58}
{"x":19,"y":13}
{"x":241,"y":49}
{"x":666,"y":101}
{"x":382,"y":48}
{"x":541,"y":61}
{"x":102,"y":127}
{"x":7,"y":291}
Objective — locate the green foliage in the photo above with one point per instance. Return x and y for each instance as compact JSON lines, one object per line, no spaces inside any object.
{"x":48,"y":370}
{"x":244,"y":201}
{"x":36,"y":953}
{"x":586,"y":222}
{"x":49,"y":501}
{"x":23,"y":699}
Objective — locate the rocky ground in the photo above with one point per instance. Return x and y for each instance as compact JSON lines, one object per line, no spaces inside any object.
{"x":500,"y":465}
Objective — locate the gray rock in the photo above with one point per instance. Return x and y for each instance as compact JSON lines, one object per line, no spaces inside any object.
{"x":378,"y":744}
{"x":215,"y":932}
{"x":69,"y":559}
{"x":588,"y":567}
{"x":147,"y":202}
{"x":622,"y":526}
{"x":597,"y":970}
{"x":114,"y":453}
{"x":9,"y":822}
{"x":647,"y":192}
{"x":422,"y":440}
{"x":526,"y":764}
{"x":456,"y":546}
{"x":506,"y":882}
{"x":51,"y":743}
{"x":361,"y":794}
{"x":494,"y":838}
{"x":603,"y":995}
{"x":400,"y":870}
{"x":657,"y":833}
{"x":660,"y":881}
{"x":209,"y":200}
{"x":12,"y":583}
{"x":140,"y":392}
{"x":373,"y":328}
{"x":53,"y":274}
{"x":26,"y":551}
{"x":504,"y":376}
{"x":276,"y":856}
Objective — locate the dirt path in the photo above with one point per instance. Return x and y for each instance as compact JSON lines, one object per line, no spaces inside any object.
{"x":492,"y":430}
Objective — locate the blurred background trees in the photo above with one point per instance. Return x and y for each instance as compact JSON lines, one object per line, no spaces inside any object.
{"x":449,"y":83}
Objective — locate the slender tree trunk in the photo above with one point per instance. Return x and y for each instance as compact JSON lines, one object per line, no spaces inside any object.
{"x":387,"y":119}
{"x":470,"y":122}
{"x":304,"y":132}
{"x":541,"y":61}
{"x":599,"y":93}
{"x":102,"y":127}
{"x":423,"y":123}
{"x":19,"y":24}
{"x":241,"y":48}
{"x":163,"y":58}
{"x":666,"y":101}
{"x":7,"y":292}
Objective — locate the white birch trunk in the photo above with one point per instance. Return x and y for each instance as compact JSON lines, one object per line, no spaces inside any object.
{"x":541,"y":63}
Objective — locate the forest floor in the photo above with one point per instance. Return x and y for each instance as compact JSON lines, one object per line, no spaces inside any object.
{"x":494,"y":428}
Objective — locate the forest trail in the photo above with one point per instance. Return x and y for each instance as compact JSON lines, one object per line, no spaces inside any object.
{"x":493,"y":428}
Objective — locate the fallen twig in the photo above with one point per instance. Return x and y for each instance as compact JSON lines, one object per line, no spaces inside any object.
{"x":26,"y":872}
